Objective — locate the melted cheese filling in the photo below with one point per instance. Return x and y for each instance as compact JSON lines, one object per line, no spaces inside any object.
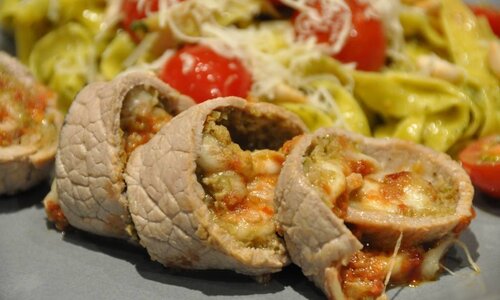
{"x":347,"y":177}
{"x":239,"y":185}
{"x":364,"y":276}
{"x":142,"y":116}
{"x":403,"y":193}
{"x":24,"y":114}
{"x":336,"y":168}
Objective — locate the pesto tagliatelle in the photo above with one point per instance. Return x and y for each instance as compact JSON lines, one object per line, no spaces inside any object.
{"x":436,"y":87}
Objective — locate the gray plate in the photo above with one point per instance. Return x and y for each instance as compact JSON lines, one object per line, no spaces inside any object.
{"x":37,"y":262}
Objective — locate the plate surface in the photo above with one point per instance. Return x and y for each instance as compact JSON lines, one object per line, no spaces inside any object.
{"x":37,"y":262}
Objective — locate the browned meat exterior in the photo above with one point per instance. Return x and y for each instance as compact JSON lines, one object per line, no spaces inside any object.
{"x":317,"y":240}
{"x":28,"y":139}
{"x":93,"y":150}
{"x":168,"y":203}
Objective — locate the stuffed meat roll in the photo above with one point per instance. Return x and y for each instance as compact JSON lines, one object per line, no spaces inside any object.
{"x":201,"y":191}
{"x":403,"y":203}
{"x":105,"y":124}
{"x":29,"y":127}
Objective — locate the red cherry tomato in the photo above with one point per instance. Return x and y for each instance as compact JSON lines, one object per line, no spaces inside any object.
{"x":481,"y":159}
{"x":366,"y":43}
{"x":202,"y":74}
{"x":491,"y":13}
{"x":132,"y":13}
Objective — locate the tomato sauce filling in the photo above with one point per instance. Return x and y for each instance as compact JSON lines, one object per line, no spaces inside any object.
{"x":23,"y":118}
{"x":142,"y":116}
{"x":56,"y":215}
{"x":405,"y":193}
{"x":365,"y":274}
{"x":239,"y":178}
{"x":329,"y":165}
{"x":348,"y":178}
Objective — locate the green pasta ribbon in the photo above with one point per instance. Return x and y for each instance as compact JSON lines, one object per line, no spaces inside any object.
{"x":417,"y":23}
{"x":32,"y":19}
{"x":28,"y":20}
{"x":64,"y":59}
{"x":235,"y":12}
{"x":329,"y":75}
{"x":468,"y":47}
{"x":350,"y":112}
{"x":313,"y":117}
{"x":115,"y":54}
{"x":429,"y":111}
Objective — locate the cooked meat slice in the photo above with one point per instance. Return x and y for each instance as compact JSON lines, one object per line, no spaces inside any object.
{"x":414,"y":190}
{"x":201,"y":191}
{"x":393,"y":195}
{"x":316,"y":238}
{"x":105,"y":123}
{"x":29,"y":126}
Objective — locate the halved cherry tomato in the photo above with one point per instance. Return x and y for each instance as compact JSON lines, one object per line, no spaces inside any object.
{"x":366,"y":44}
{"x":132,"y":13}
{"x":202,"y":74}
{"x":481,"y":159}
{"x":491,"y":13}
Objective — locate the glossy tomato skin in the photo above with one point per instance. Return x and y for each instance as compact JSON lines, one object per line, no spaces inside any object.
{"x":481,"y":159}
{"x":491,"y":13}
{"x":203,"y":74}
{"x":366,"y":44}
{"x":131,"y":14}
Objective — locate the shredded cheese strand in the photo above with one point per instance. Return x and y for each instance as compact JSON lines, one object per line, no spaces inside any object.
{"x":335,"y":17}
{"x":142,"y":48}
{"x":462,"y":245}
{"x":112,"y":17}
{"x":447,"y":269}
{"x":393,"y":261}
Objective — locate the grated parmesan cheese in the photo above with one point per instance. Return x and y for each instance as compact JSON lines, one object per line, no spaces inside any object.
{"x":388,"y":12}
{"x":141,"y":49}
{"x":334,"y":18}
{"x":270,"y":50}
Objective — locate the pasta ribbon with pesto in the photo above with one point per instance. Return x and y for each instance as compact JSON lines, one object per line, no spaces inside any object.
{"x":435,"y":86}
{"x":468,"y":47}
{"x":429,"y":111}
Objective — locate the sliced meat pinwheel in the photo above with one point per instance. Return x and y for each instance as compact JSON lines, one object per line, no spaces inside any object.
{"x":201,"y":192}
{"x":29,"y":126}
{"x":404,"y":203}
{"x":105,"y":124}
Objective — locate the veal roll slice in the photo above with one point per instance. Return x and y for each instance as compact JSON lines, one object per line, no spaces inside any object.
{"x":29,"y":127}
{"x":201,"y":192}
{"x":403,"y":202}
{"x":406,"y":189}
{"x":105,"y":124}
